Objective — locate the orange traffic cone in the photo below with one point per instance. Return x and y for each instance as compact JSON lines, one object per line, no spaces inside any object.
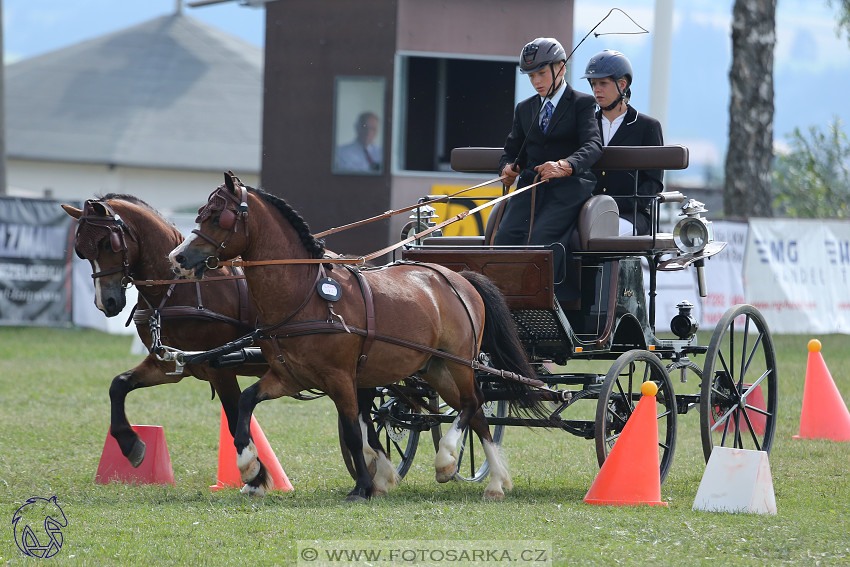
{"x":228,"y":473}
{"x":155,"y":469}
{"x":631,"y":474}
{"x":824,"y":414}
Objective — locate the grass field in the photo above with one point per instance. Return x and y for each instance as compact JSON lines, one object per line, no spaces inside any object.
{"x":54,"y":415}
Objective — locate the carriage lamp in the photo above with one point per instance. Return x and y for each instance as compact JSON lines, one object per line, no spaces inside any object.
{"x":693,"y":233}
{"x":421,"y":219}
{"x":684,"y":325}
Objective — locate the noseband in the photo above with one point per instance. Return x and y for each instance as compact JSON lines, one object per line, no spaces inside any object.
{"x":99,"y":215}
{"x":228,"y":219}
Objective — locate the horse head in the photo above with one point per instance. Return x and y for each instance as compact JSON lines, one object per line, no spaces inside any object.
{"x":218,"y":236}
{"x":111,"y":246}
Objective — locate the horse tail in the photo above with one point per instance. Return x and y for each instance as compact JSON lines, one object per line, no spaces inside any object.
{"x":501,"y":341}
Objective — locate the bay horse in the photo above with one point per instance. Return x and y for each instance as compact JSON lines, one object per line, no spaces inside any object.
{"x":337,"y":329}
{"x":127,"y":240}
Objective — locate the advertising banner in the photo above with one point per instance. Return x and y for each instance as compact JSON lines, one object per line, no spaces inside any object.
{"x":35,"y":265}
{"x":796,"y":272}
{"x":723,"y":282}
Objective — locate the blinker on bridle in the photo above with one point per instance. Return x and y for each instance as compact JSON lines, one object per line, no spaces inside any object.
{"x":100,"y":214}
{"x":228,"y":218}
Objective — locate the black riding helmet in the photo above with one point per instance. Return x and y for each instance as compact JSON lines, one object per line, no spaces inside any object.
{"x":539,"y":53}
{"x":610,"y":63}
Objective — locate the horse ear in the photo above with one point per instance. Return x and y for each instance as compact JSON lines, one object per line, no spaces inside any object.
{"x":73,"y":211}
{"x":228,"y":180}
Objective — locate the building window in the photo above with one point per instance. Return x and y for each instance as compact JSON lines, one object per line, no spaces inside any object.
{"x":449,"y":103}
{"x":358,"y":125}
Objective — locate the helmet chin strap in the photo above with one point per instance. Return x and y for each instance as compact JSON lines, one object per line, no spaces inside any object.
{"x":552,"y":90}
{"x":620,"y":98}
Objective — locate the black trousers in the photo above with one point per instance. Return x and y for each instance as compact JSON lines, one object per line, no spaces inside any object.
{"x":556,"y":208}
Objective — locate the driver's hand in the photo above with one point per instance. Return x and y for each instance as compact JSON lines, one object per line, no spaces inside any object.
{"x":510,"y":171}
{"x":551,"y":169}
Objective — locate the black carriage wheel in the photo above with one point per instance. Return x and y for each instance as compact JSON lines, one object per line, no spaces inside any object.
{"x":619,"y":396}
{"x":738,"y":397}
{"x":399,"y":442}
{"x":472,"y":465}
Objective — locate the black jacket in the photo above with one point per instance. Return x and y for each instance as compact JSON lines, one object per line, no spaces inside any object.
{"x":636,"y":130}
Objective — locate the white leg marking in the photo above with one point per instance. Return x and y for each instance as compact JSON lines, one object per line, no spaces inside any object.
{"x":445,"y":462}
{"x":369,"y":454}
{"x":386,"y":477}
{"x":499,"y":477}
{"x":247,"y":462}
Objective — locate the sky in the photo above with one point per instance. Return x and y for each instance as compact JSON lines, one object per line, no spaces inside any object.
{"x":812,"y":64}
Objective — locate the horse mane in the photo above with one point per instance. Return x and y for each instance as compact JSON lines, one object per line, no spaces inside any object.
{"x":136,"y":201}
{"x":315,"y":246}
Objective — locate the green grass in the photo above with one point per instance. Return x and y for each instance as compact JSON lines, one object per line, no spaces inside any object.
{"x":54,"y":415}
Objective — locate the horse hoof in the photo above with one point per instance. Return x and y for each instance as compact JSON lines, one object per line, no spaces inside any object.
{"x":493,"y":495}
{"x":137,"y":453}
{"x":446,"y":474}
{"x":255,"y":491}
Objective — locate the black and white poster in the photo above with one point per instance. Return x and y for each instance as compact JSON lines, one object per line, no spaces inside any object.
{"x":35,"y":263}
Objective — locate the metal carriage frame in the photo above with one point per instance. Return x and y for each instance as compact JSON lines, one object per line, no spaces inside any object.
{"x":613,"y":320}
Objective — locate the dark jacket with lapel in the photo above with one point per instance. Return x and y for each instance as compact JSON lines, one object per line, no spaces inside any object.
{"x":573,"y":135}
{"x":635,"y":130}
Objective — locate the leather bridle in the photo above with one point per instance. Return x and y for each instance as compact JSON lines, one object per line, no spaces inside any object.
{"x":118,"y":232}
{"x":228,"y":219}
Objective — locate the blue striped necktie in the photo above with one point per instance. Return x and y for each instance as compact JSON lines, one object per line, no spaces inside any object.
{"x":547,"y":116}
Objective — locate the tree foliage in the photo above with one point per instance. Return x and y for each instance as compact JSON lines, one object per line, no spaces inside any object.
{"x":843,"y":22}
{"x":812,"y":180}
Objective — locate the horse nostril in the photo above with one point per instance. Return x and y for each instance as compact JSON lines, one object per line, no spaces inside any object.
{"x":180,"y":259}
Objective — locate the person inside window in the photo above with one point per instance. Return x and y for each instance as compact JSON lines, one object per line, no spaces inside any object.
{"x":362,"y":154}
{"x":610,"y":76}
{"x":554,"y":137}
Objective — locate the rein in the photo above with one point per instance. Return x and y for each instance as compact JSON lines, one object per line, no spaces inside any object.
{"x":390,"y":213}
{"x":213,"y":261}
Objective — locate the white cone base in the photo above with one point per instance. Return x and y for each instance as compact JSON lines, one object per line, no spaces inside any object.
{"x":736,"y":480}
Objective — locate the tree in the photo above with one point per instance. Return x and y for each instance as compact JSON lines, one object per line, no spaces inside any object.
{"x":843,"y":23}
{"x":749,"y":154}
{"x":812,"y":180}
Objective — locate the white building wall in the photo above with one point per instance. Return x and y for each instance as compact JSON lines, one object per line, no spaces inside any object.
{"x":165,"y":190}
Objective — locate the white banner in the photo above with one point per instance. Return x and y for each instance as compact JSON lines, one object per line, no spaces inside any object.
{"x":723,"y":282}
{"x":796,"y":272}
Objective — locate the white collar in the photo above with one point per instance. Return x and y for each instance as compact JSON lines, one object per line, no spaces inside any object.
{"x":557,"y":96}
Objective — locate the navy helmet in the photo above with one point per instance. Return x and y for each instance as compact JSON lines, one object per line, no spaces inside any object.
{"x":609,"y":63}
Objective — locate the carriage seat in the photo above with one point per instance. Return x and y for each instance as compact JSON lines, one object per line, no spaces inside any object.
{"x":598,"y":223}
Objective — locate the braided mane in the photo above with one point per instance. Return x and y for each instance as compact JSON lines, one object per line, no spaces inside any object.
{"x":315,"y":247}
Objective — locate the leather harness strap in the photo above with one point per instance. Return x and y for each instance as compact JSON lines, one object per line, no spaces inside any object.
{"x":369,"y":301}
{"x":301,"y":328}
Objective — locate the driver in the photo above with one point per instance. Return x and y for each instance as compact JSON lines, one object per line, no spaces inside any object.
{"x":610,"y":76}
{"x":554,"y":136}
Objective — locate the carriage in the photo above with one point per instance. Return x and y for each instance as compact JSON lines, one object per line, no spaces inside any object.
{"x":614,"y":320}
{"x":310,"y":349}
